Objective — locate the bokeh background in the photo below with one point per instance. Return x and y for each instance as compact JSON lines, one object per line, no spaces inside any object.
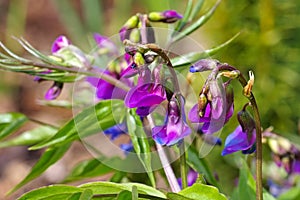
{"x":268,"y":45}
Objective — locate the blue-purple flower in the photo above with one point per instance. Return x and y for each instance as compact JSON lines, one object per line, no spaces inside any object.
{"x":214,"y":108}
{"x":175,"y":127}
{"x":191,"y":178}
{"x":106,"y":90}
{"x":239,"y":140}
{"x":244,"y":136}
{"x":116,"y":130}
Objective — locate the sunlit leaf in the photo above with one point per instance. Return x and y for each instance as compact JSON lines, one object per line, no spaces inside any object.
{"x":10,"y":122}
{"x":140,"y":142}
{"x":188,"y":30}
{"x":49,"y":157}
{"x":30,"y":137}
{"x":198,"y":191}
{"x":89,"y":169}
{"x":91,"y":120}
{"x":190,"y":58}
{"x":115,"y":188}
{"x":55,"y":192}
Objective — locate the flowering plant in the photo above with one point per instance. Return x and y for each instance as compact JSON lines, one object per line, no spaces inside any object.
{"x":134,"y":95}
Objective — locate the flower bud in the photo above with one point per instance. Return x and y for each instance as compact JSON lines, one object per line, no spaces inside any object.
{"x":204,"y":65}
{"x":138,"y":59}
{"x":135,"y":36}
{"x":60,"y":42}
{"x":246,"y":121}
{"x":168,"y":16}
{"x":131,"y":23}
{"x":54,"y":91}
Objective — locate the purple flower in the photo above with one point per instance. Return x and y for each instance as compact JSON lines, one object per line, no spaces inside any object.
{"x":203,"y":65}
{"x":104,"y":89}
{"x":54,"y":91}
{"x":213,"y":113}
{"x":191,"y":178}
{"x":116,"y":131}
{"x":60,"y":42}
{"x":145,"y":97}
{"x":105,"y":44}
{"x":127,"y":147}
{"x":175,"y":127}
{"x":168,"y":16}
{"x":239,"y":140}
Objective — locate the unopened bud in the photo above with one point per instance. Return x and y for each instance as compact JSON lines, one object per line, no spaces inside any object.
{"x":246,"y":121}
{"x":54,"y":91}
{"x":135,"y":36}
{"x":204,"y":65}
{"x":168,"y":16}
{"x":248,"y":88}
{"x":138,"y":59}
{"x":126,"y":29}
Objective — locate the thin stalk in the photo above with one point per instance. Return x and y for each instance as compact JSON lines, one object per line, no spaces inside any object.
{"x":76,"y":70}
{"x":42,"y":123}
{"x":183,"y":170}
{"x":258,"y":158}
{"x":258,"y":172}
{"x":165,"y":163}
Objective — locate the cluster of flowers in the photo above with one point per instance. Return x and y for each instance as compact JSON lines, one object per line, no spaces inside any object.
{"x":213,"y":110}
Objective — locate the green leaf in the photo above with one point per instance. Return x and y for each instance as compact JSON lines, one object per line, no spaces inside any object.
{"x":10,"y":122}
{"x":124,"y":195}
{"x":190,"y":58}
{"x":91,"y":120}
{"x":200,"y":165}
{"x":115,"y":188}
{"x":30,"y":137}
{"x":196,"y":9}
{"x":203,"y":192}
{"x":246,"y":187}
{"x":89,"y":169}
{"x":49,"y":157}
{"x":291,"y":194}
{"x":140,"y":142}
{"x":196,"y":24}
{"x":186,"y":15}
{"x":175,"y":196}
{"x":53,"y":192}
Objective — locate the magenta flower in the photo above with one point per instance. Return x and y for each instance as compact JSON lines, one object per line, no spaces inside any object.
{"x":105,"y":90}
{"x":105,"y":44}
{"x":239,"y":140}
{"x":191,"y":178}
{"x":145,"y":97}
{"x":54,"y":91}
{"x":217,"y":111}
{"x":175,"y":127}
{"x":168,"y":16}
{"x":60,"y":42}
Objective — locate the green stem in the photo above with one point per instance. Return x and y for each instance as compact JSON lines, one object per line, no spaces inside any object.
{"x":76,"y":70}
{"x":251,"y":98}
{"x":259,"y":186}
{"x":183,"y":169}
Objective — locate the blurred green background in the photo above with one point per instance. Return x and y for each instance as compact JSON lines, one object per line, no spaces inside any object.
{"x":268,"y":45}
